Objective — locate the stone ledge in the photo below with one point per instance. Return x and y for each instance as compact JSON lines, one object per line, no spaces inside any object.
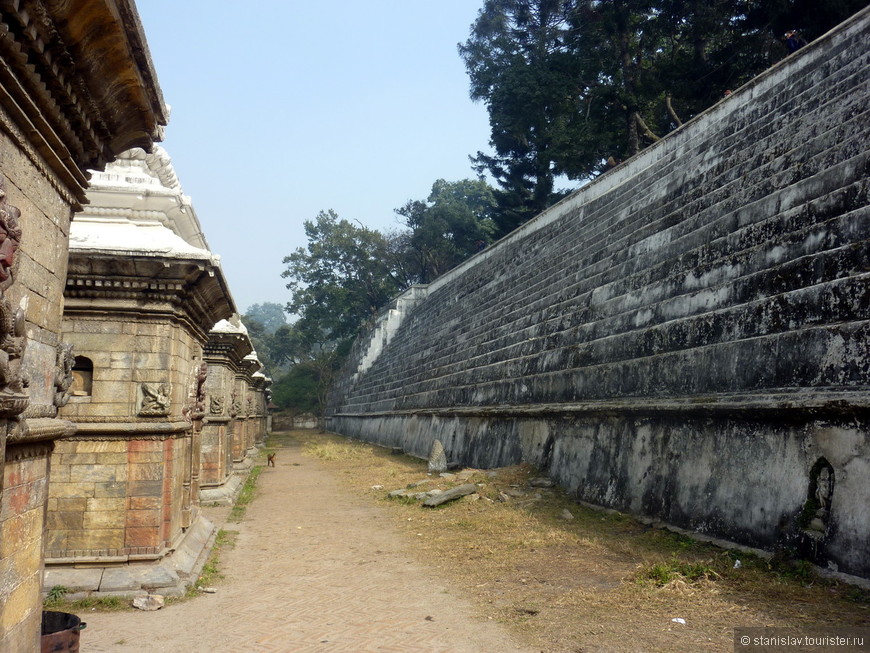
{"x":224,"y":494}
{"x":170,"y":576}
{"x":243,"y":465}
{"x":798,"y":402}
{"x":126,"y":429}
{"x":43,"y":428}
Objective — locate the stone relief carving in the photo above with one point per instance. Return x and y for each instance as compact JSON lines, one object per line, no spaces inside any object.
{"x":816,"y":516}
{"x":63,"y":374}
{"x":195,"y":409}
{"x":13,"y":396}
{"x":235,"y":406}
{"x":217,"y":405}
{"x":155,"y":400}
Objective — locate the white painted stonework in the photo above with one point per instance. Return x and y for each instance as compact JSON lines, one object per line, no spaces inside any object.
{"x":138,"y":207}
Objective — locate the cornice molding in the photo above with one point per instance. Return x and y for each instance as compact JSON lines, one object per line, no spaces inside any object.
{"x":77,"y":80}
{"x":186,"y":288}
{"x":232,"y":347}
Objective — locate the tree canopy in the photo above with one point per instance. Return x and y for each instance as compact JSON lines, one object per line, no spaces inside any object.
{"x":342,"y":278}
{"x":575,"y":86}
{"x":451,"y":225}
{"x":269,"y":315}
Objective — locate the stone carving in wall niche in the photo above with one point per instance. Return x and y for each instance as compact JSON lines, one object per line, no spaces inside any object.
{"x":154,"y":400}
{"x":195,"y":409}
{"x":63,"y":374}
{"x":13,"y":395}
{"x":816,"y":515}
{"x":235,"y":406}
{"x":217,"y":405}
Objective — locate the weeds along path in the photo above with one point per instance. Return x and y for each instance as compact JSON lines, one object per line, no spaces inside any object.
{"x":565,"y":578}
{"x":314,"y":567}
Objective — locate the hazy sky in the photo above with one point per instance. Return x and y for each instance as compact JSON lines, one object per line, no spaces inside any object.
{"x":284,"y":108}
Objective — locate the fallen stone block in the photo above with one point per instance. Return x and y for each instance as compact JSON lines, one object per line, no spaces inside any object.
{"x":451,"y":494}
{"x":148,"y":603}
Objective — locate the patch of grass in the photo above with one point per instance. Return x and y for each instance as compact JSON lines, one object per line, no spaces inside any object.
{"x":662,"y":574}
{"x":55,"y":597}
{"x":857,"y":595}
{"x":211,"y":570}
{"x":787,"y":565}
{"x":225,"y":539}
{"x":98,"y":604}
{"x":246,"y":495}
{"x":331,"y":450}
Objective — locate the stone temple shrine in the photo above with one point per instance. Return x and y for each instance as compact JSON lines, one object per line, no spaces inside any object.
{"x":142,"y":296}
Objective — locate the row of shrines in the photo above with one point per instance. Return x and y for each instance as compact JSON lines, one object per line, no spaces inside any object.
{"x":129,"y":390}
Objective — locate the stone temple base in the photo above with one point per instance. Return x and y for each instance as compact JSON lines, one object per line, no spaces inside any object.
{"x":243,"y":465}
{"x":169,"y":576}
{"x":224,"y":494}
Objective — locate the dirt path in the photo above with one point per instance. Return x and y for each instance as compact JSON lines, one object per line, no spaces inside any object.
{"x":313,"y":569}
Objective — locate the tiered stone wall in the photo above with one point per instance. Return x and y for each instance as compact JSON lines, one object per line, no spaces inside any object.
{"x":685,"y":338}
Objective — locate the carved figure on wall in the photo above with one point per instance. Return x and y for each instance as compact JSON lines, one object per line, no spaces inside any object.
{"x":250,"y":405}
{"x":13,"y":340}
{"x":195,"y":409}
{"x":217,"y":405}
{"x":235,"y":406}
{"x":816,"y":516}
{"x":155,"y":400}
{"x":10,"y":238}
{"x":63,"y":374}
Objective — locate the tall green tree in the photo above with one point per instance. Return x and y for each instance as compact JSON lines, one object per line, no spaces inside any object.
{"x":574,"y":86}
{"x":303,"y":389}
{"x":262,"y":322}
{"x":269,"y":315}
{"x":451,"y":225}
{"x":341,"y":279}
{"x":519,"y":67}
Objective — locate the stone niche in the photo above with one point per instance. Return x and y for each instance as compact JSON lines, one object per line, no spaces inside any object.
{"x":142,"y":293}
{"x":78,"y":87}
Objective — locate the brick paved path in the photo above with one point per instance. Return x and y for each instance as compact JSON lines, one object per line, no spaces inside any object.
{"x":314,"y":569}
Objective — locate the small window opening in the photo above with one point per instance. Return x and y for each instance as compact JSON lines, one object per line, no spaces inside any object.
{"x":83,"y":377}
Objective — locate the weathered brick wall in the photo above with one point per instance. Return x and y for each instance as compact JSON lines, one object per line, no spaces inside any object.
{"x":118,"y":487}
{"x":48,"y":107}
{"x":25,"y":485}
{"x":39,"y":273}
{"x":216,"y":445}
{"x":686,"y":337}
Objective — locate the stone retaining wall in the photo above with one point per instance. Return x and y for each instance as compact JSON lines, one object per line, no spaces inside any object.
{"x":684,"y":338}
